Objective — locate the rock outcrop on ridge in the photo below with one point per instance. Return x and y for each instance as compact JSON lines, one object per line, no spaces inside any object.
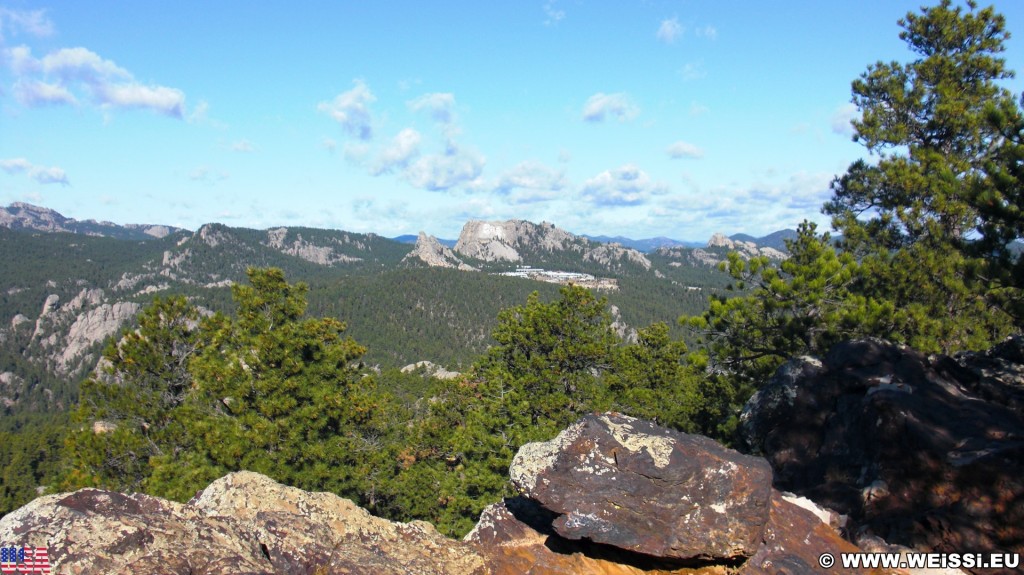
{"x":923,"y":451}
{"x":432,"y":252}
{"x":611,"y":495}
{"x":519,"y":240}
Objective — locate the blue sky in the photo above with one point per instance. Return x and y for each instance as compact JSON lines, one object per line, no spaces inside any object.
{"x":639,"y":118}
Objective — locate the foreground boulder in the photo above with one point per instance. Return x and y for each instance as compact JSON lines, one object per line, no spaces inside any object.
{"x":924,"y":451}
{"x":615,"y":488}
{"x":242,"y":524}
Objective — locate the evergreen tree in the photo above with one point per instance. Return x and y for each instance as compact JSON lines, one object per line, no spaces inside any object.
{"x":129,"y":413}
{"x":938,"y":127}
{"x":281,"y":395}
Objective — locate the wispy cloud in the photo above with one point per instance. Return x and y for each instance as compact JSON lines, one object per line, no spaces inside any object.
{"x":167,"y":101}
{"x":53,"y":80}
{"x":708,"y":31}
{"x":244,"y":146}
{"x":669,"y":31}
{"x":351,"y":109}
{"x":34,"y":93}
{"x":625,"y":186}
{"x":207,"y":175}
{"x":398,"y":153}
{"x":439,"y":105}
{"x":43,"y":175}
{"x":842,"y":118}
{"x":530,"y":182}
{"x":601,"y":105}
{"x":693,"y":71}
{"x":683,"y":149}
{"x":32,"y":22}
{"x":441,"y":172}
{"x":552,"y":15}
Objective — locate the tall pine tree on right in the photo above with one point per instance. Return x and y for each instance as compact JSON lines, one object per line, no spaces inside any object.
{"x":928,"y":225}
{"x":932,"y":216}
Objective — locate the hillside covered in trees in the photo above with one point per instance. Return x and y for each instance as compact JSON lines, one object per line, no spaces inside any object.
{"x":289,"y":371}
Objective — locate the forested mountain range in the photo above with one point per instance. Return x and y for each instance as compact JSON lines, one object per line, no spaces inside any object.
{"x":68,"y":286}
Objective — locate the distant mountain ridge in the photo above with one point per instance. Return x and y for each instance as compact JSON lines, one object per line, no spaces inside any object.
{"x":22,"y":216}
{"x":776,"y":240}
{"x":65,"y":293}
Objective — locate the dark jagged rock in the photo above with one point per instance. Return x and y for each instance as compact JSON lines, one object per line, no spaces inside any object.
{"x":625,"y":482}
{"x":922,"y":451}
{"x":611,"y":486}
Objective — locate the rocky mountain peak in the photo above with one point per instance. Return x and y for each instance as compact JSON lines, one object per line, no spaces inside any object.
{"x":435,"y":254}
{"x":23,"y":216}
{"x":515,"y":240}
{"x":746,"y":249}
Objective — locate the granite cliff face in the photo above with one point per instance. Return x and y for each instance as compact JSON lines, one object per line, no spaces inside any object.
{"x":435,"y":254}
{"x":611,"y":495}
{"x":522,"y":241}
{"x":292,"y":243}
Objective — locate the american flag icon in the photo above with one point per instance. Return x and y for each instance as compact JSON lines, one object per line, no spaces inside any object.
{"x":28,"y":560}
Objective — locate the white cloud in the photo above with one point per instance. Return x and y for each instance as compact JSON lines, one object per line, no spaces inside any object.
{"x":669,"y":31}
{"x":693,"y":71}
{"x":199,"y":112}
{"x":758,"y":207}
{"x":33,"y":22}
{"x":403,"y":148}
{"x":244,"y":146}
{"x":552,"y":15}
{"x":439,"y":172}
{"x":439,"y":105}
{"x":34,"y":93}
{"x":625,"y":186}
{"x":601,"y":105}
{"x":531,"y":182}
{"x":351,"y":110}
{"x":43,"y":175}
{"x":842,"y":117}
{"x":167,"y":101}
{"x":21,"y":61}
{"x":329,"y":144}
{"x":683,"y":149}
{"x":109,"y":85}
{"x":83,"y":65}
{"x":208,"y":175}
{"x":698,"y":109}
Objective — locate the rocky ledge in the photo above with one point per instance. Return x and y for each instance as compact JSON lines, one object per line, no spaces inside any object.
{"x":611,"y":495}
{"x":922,"y":451}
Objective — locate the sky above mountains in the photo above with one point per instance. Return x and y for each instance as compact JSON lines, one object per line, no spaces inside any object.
{"x":638,"y":118}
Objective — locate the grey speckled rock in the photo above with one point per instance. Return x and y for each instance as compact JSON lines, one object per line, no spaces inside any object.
{"x":242,"y":524}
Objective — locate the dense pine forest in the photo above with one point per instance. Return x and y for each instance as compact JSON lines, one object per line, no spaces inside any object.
{"x":291,"y":370}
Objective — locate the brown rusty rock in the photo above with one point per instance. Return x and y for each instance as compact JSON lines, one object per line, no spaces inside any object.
{"x":923,"y":451}
{"x":794,"y":541}
{"x":516,"y":538}
{"x":628,"y":483}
